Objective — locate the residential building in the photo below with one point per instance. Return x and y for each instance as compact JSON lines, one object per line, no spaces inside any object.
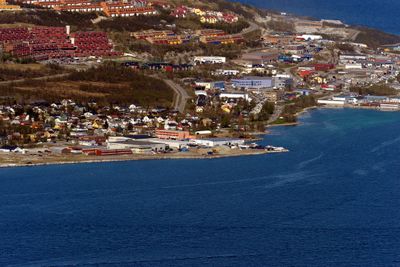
{"x":209,"y":60}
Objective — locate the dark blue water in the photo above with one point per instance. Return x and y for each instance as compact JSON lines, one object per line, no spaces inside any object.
{"x":380,"y":14}
{"x":332,"y":201}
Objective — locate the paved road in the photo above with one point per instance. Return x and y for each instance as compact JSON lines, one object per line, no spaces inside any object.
{"x":354,"y":35}
{"x":43,"y":78}
{"x":277,"y":113}
{"x":181,"y":96}
{"x":251,"y":28}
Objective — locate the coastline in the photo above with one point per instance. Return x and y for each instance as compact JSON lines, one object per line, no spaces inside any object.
{"x":300,"y":113}
{"x":296,"y":115}
{"x":283,"y":124}
{"x":19,"y":160}
{"x":81,"y":159}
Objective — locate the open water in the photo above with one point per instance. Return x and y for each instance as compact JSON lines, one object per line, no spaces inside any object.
{"x":380,"y":14}
{"x":332,"y":201}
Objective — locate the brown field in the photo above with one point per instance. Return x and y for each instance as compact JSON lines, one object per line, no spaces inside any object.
{"x":106,"y":84}
{"x":87,"y":91}
{"x":22,"y":67}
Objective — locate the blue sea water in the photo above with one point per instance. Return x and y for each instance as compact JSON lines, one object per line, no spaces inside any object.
{"x":332,"y":201}
{"x":380,"y":14}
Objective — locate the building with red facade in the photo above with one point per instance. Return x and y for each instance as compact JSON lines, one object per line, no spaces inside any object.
{"x":43,"y":43}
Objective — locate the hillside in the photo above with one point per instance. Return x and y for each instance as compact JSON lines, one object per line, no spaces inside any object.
{"x":107,"y":84}
{"x":250,"y":25}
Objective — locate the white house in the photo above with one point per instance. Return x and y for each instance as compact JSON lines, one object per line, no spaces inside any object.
{"x":209,"y":60}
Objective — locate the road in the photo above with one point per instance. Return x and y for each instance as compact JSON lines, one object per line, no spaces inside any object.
{"x":181,"y":96}
{"x":179,"y":103}
{"x":277,"y":113}
{"x":354,"y":35}
{"x":251,"y":28}
{"x":43,"y":78}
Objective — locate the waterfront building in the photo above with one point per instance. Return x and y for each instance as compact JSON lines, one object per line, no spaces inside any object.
{"x":137,"y":146}
{"x":214,"y":142}
{"x":173,"y":134}
{"x":331,"y":102}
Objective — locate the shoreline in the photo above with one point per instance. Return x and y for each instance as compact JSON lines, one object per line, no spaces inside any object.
{"x":300,"y":113}
{"x":283,"y":124}
{"x":296,"y":115}
{"x":138,"y":157}
{"x":82,"y":159}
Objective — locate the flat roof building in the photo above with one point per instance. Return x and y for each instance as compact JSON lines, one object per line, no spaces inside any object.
{"x":137,"y":146}
{"x":253,"y":82}
{"x":209,"y":59}
{"x":213,"y":142}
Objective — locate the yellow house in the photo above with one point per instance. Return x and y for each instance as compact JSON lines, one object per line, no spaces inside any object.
{"x":198,"y":12}
{"x":226,"y":108}
{"x":208,"y":19}
{"x":32,"y":137}
{"x":96,"y":125}
{"x":199,"y":109}
{"x":319,"y":80}
{"x":47,"y":135}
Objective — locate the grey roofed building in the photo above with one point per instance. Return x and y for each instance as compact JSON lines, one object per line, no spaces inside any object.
{"x":137,"y":145}
{"x":253,"y":82}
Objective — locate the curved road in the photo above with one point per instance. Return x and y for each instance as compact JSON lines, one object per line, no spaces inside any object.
{"x":251,"y":28}
{"x":277,"y":113}
{"x":181,"y":96}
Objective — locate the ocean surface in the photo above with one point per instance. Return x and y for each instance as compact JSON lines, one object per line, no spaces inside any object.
{"x":332,"y":201}
{"x":380,"y":14}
